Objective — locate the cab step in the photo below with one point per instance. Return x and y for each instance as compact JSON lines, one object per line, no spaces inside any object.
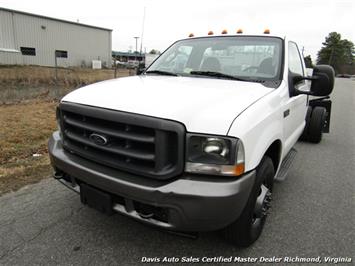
{"x":286,"y":165}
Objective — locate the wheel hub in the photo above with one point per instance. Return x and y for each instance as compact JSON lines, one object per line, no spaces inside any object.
{"x":263,"y":203}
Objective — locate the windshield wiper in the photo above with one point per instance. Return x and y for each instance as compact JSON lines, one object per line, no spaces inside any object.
{"x":161,"y":72}
{"x":216,"y":74}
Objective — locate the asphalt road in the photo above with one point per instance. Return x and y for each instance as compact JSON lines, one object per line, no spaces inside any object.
{"x":312,"y":215}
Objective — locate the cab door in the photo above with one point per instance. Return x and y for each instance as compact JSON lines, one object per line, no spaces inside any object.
{"x":294,"y":112}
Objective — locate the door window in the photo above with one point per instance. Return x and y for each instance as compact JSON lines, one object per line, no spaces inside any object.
{"x":294,"y":59}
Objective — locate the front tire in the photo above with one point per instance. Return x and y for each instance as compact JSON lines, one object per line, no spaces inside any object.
{"x":248,"y":227}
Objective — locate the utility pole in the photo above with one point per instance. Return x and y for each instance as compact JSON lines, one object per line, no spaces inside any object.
{"x":56,"y":75}
{"x":136,"y":43}
{"x":331,"y":56}
{"x":142,"y":31}
{"x":136,"y":51}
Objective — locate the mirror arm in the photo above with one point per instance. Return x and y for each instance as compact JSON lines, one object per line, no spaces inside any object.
{"x":310,"y":78}
{"x":298,"y":92}
{"x":300,"y":78}
{"x":297,"y":79}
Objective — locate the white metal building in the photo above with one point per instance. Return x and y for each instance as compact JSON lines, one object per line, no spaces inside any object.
{"x":29,"y":39}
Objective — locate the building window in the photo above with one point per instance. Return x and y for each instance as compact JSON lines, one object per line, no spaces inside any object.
{"x":28,"y":51}
{"x":62,"y":54}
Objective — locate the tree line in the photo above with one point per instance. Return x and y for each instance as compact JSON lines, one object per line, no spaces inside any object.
{"x":337,"y":52}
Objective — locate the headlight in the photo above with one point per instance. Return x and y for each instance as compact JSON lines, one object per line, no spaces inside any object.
{"x":214,"y":155}
{"x":216,"y":146}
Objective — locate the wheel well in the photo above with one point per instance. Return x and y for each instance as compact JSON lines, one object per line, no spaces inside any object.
{"x":274,"y":152}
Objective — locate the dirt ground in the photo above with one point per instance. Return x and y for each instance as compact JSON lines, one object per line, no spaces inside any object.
{"x":25,"y":129}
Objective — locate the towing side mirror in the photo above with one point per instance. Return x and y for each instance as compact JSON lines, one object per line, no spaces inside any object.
{"x":322,"y":81}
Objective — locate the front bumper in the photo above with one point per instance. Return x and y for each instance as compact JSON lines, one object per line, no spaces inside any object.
{"x":191,"y":202}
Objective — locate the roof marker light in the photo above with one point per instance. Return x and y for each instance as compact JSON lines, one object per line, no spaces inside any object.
{"x":191,"y":35}
{"x":239,"y":31}
{"x":266,"y":31}
{"x":210,"y":32}
{"x":224,"y":31}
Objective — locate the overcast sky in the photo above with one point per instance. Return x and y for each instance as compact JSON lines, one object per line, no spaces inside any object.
{"x":305,"y":21}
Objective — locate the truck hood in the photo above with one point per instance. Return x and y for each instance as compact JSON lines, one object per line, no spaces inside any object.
{"x":204,"y":105}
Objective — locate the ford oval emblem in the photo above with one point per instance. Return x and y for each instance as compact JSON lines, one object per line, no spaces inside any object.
{"x":98,"y":139}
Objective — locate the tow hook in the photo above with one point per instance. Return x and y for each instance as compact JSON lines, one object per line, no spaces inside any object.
{"x":58,"y":175}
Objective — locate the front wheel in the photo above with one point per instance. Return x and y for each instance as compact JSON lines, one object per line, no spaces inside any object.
{"x":248,"y":227}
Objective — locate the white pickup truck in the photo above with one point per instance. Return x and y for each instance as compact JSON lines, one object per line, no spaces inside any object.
{"x":194,"y":142}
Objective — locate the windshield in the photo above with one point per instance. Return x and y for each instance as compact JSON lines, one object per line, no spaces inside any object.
{"x":244,"y":57}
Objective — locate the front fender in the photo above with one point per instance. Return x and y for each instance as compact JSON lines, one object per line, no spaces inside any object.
{"x":258,"y":127}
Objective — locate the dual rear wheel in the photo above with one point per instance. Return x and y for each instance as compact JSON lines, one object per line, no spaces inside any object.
{"x":315,"y":121}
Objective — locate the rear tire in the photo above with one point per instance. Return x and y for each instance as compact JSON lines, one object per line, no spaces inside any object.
{"x":248,"y":227}
{"x":316,"y":124}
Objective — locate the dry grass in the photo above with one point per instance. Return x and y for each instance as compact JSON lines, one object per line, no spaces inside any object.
{"x":18,"y":83}
{"x":25,"y":129}
{"x":26,"y":126}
